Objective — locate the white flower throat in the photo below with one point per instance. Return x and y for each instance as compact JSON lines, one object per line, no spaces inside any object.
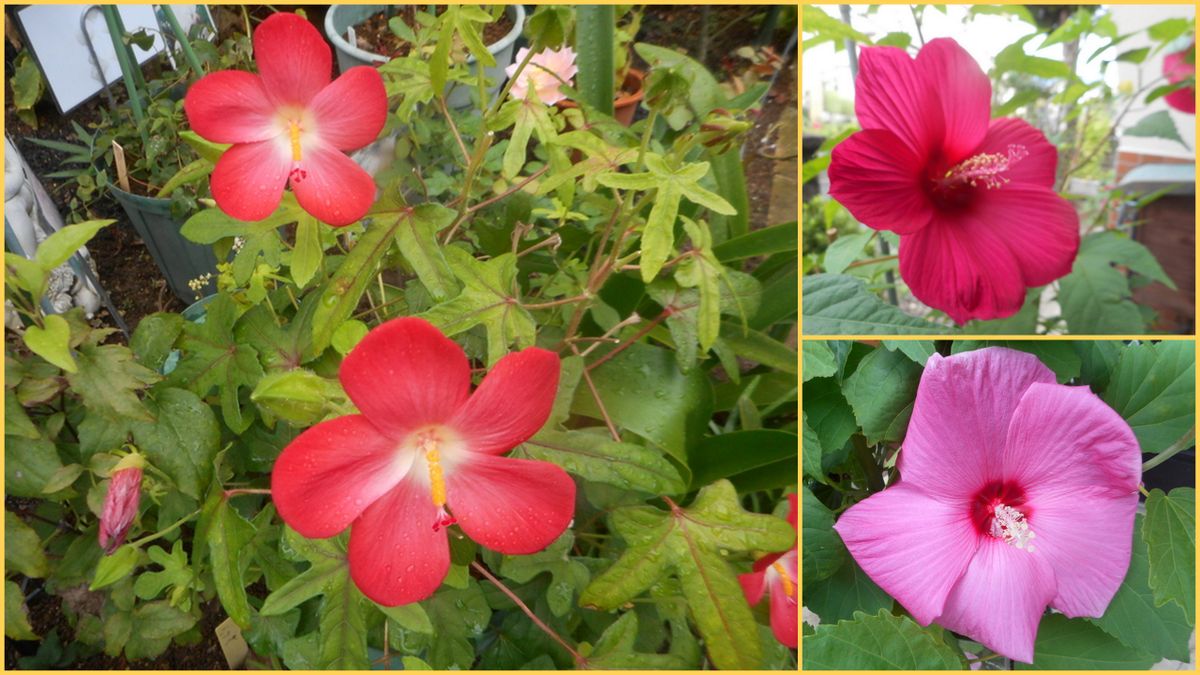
{"x":1010,"y":525}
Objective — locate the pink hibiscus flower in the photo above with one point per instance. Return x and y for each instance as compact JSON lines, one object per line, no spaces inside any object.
{"x":545,"y":73}
{"x":290,"y":125}
{"x":1177,"y":67}
{"x":425,"y":447}
{"x":1016,"y":493}
{"x":972,"y":198}
{"x":776,"y":575}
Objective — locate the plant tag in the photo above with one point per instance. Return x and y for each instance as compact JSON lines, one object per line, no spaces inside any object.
{"x":122,"y":172}
{"x":233,"y":645}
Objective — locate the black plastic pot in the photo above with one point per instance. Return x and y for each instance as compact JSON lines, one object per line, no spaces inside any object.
{"x":179,"y":259}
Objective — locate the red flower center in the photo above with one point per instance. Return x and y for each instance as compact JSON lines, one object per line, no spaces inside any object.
{"x":994,"y":498}
{"x":429,"y":444}
{"x":951,"y":188}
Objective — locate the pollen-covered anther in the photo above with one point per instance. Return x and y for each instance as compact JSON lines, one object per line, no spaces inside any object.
{"x":789,"y":586}
{"x":294,"y":134}
{"x":1010,"y":525}
{"x":985,"y":168}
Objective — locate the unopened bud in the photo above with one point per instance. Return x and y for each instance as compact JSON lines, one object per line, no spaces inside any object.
{"x":121,"y":503}
{"x":720,"y":132}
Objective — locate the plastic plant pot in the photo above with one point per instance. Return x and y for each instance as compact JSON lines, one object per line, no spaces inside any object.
{"x":341,"y":17}
{"x":179,"y":259}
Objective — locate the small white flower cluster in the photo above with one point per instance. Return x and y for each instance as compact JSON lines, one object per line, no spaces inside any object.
{"x":199,"y":283}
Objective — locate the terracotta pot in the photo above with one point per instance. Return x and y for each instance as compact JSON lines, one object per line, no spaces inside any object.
{"x":625,"y":105}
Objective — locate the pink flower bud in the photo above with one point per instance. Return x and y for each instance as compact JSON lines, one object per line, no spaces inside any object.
{"x":120,"y":507}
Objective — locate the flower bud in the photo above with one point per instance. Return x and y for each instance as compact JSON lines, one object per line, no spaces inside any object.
{"x":720,"y":131}
{"x":121,"y":502}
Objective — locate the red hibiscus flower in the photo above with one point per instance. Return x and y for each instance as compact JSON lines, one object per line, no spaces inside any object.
{"x":290,"y":125}
{"x":1178,"y":67}
{"x":972,"y":198}
{"x":776,"y":575}
{"x":424,"y":448}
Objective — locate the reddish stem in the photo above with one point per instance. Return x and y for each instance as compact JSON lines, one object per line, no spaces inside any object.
{"x":579,"y":660}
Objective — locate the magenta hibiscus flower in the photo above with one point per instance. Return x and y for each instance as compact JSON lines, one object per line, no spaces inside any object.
{"x":424,"y":448}
{"x":1180,"y":66}
{"x":290,"y":125}
{"x":1015,"y":493}
{"x":775,"y":575}
{"x":972,"y":198}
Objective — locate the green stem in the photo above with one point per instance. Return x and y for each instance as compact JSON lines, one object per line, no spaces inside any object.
{"x":170,"y":528}
{"x":1187,"y":441}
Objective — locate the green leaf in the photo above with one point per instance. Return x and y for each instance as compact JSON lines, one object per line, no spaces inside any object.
{"x":780,"y":238}
{"x":215,"y":359}
{"x":1169,"y":29}
{"x":26,"y":274}
{"x":61,"y":245}
{"x":411,"y":617}
{"x":845,"y":250}
{"x":881,"y":392}
{"x":203,"y":147}
{"x":52,"y":342}
{"x":23,"y":552}
{"x":108,"y":380}
{"x":745,"y":457}
{"x":488,"y":298}
{"x":760,"y":348}
{"x":694,"y":313}
{"x":1156,"y":125}
{"x":16,"y":421}
{"x":836,"y":304}
{"x":596,"y":457}
{"x":227,"y":539}
{"x":877,"y":642}
{"x":62,"y":478}
{"x":644,"y":391}
{"x":16,"y":616}
{"x":823,"y":551}
{"x":342,"y":293}
{"x":616,"y":648}
{"x":457,"y":615}
{"x":349,"y":334}
{"x":306,"y":256}
{"x":1095,"y":297}
{"x":831,"y":417}
{"x":27,"y":83}
{"x":417,"y":238}
{"x":155,"y":624}
{"x":1170,"y":535}
{"x":812,"y":453}
{"x":155,"y":337}
{"x":1014,"y":59}
{"x":115,"y":567}
{"x":1077,"y":644}
{"x":343,"y":627}
{"x":175,"y":572}
{"x":1153,"y":388}
{"x":28,"y":465}
{"x":189,"y":173}
{"x":1097,"y":359}
{"x":849,"y":590}
{"x":692,"y":544}
{"x":308,"y":584}
{"x":183,"y":439}
{"x":567,"y":576}
{"x":818,"y":360}
{"x":1133,"y":616}
{"x":917,"y":350}
{"x":1113,"y":246}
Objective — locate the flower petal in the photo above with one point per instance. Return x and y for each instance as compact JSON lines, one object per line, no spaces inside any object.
{"x":1177,"y":68}
{"x":351,"y":112}
{"x":231,"y":106}
{"x":961,"y":416}
{"x":330,"y":186}
{"x":752,"y":583}
{"x":1065,"y":439}
{"x":396,"y":557}
{"x":963,"y":91}
{"x":1038,"y":167}
{"x":785,"y":610}
{"x":249,"y":178}
{"x":327,"y":475}
{"x":512,"y":506}
{"x":511,"y":404}
{"x":913,"y":545}
{"x":958,"y":265}
{"x":1001,"y":598}
{"x":877,"y":178}
{"x":405,"y":374}
{"x":1039,"y":228}
{"x":293,"y":60}
{"x":1086,"y":536}
{"x":892,"y":93}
